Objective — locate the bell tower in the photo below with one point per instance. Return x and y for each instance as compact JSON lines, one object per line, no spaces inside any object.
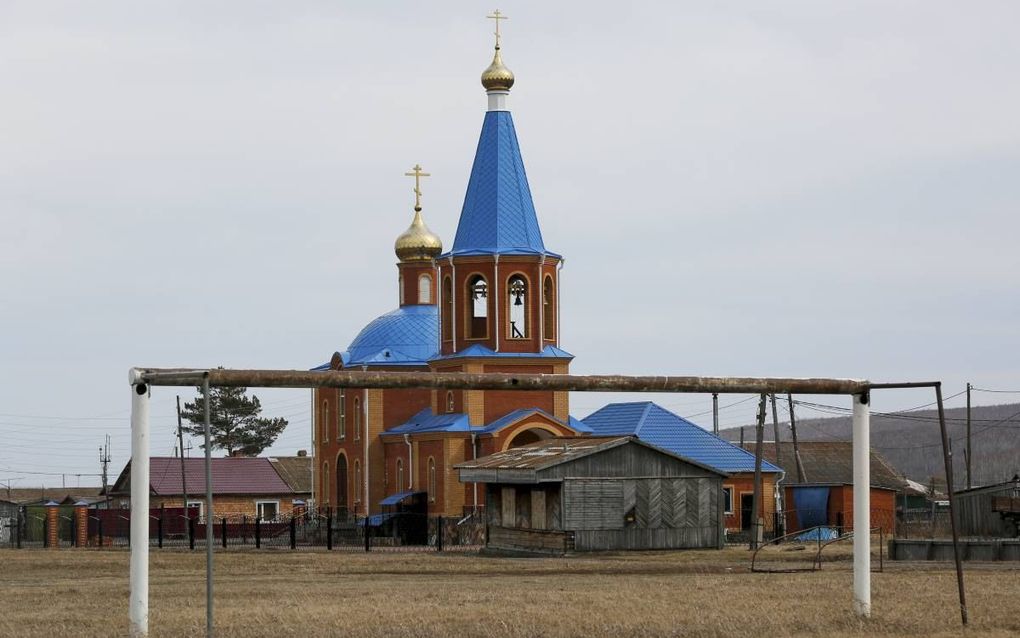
{"x":417,"y":248}
{"x":498,"y":284}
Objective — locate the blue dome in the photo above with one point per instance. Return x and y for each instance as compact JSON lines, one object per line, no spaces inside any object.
{"x":405,"y":336}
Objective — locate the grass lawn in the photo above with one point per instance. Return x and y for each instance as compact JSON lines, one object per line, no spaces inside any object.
{"x":693,"y":593}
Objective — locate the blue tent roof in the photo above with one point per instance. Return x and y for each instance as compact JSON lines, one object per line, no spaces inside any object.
{"x":476,"y":350}
{"x":498,"y":216}
{"x":406,"y":336}
{"x":658,"y":426}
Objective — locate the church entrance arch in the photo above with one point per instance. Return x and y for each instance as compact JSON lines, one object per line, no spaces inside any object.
{"x":341,"y":483}
{"x":529,"y":435}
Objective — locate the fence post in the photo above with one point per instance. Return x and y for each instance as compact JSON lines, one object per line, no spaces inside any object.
{"x":244,"y":529}
{"x":293,"y":532}
{"x":99,"y":528}
{"x":329,"y":528}
{"x":439,"y":533}
{"x":52,"y":525}
{"x":81,"y":524}
{"x":191,"y":531}
{"x":19,"y":517}
{"x":258,"y":532}
{"x":159,"y":529}
{"x":368,"y":541}
{"x":223,"y":531}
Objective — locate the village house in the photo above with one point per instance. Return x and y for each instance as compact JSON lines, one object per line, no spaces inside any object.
{"x":263,"y":487}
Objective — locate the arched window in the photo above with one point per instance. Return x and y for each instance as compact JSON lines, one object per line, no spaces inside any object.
{"x":341,"y":418}
{"x":357,"y":419}
{"x":432,"y":479}
{"x":424,"y":289}
{"x":325,"y":421}
{"x":478,"y":305}
{"x":325,"y":483}
{"x":357,"y":480}
{"x":517,"y":303}
{"x":400,"y":287}
{"x":548,"y":309}
{"x":449,"y":401}
{"x":447,"y":318}
{"x":400,"y":475}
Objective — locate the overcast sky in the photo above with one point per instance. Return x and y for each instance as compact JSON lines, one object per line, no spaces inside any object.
{"x":782,"y":188}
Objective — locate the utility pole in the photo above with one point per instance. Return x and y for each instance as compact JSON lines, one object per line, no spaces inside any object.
{"x":715,"y":413}
{"x":104,"y":461}
{"x":775,"y":430}
{"x":756,"y":498}
{"x":180,"y":440}
{"x":970,"y":451}
{"x":796,"y":449}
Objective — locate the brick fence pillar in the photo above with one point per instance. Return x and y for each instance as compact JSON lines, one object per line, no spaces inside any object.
{"x":81,"y":524}
{"x":52,"y":525}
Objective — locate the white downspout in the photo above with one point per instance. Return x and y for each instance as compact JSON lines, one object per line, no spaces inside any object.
{"x":410,"y":462}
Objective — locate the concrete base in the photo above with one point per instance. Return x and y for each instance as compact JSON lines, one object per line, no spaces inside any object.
{"x":1005,"y":549}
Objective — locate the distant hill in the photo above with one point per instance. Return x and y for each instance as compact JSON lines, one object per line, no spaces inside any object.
{"x":912,"y":443}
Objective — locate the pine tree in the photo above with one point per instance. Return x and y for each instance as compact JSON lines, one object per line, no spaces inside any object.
{"x":235,"y":424}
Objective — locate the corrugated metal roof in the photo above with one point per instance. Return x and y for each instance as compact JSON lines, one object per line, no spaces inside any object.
{"x":406,"y":336}
{"x":829,"y":463}
{"x":656,"y":425}
{"x":498,"y":216}
{"x":425,"y":421}
{"x":230,"y":475}
{"x":296,"y":471}
{"x":544,"y":453}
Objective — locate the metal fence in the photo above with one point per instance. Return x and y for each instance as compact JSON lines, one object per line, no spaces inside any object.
{"x":172,"y":528}
{"x":790,"y":521}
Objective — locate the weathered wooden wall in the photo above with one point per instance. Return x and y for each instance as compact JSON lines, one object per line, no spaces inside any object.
{"x":528,"y":540}
{"x":974,"y":515}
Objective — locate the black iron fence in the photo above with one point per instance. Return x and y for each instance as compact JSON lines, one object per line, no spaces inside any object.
{"x":329,"y":529}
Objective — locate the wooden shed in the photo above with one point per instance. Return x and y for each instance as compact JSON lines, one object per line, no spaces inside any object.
{"x":597,"y":493}
{"x":990,"y":511}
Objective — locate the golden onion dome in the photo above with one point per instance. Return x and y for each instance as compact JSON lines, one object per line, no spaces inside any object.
{"x":497,"y":77}
{"x":418,"y":243}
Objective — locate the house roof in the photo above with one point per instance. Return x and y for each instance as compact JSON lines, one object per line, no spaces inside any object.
{"x":656,"y":425}
{"x":32,"y":495}
{"x":829,"y":463}
{"x":425,"y":421}
{"x":296,"y":471}
{"x":230,"y":475}
{"x":408,"y":335}
{"x":498,"y":216}
{"x":554,"y":451}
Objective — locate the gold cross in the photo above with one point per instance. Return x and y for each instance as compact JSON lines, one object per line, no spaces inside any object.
{"x":497,"y":16}
{"x":417,"y":175}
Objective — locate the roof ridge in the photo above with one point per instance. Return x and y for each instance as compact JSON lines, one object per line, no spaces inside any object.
{"x":641,"y":419}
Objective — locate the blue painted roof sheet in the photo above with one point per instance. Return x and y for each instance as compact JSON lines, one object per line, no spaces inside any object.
{"x":548,"y":352}
{"x":498,"y":216}
{"x":393,"y":499}
{"x":406,"y":336}
{"x":425,"y":421}
{"x":656,"y":425}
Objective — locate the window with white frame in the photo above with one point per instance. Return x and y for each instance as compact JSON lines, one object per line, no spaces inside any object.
{"x":325,"y":421}
{"x":341,"y":416}
{"x":424,"y":289}
{"x":196,"y":509}
{"x":357,"y":481}
{"x":267,"y":510}
{"x":357,"y":419}
{"x":432,"y":479}
{"x":400,"y":475}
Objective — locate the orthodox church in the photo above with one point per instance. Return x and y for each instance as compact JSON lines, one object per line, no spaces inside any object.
{"x":488,"y":304}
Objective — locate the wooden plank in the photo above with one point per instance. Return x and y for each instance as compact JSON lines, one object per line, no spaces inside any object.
{"x":654,"y":502}
{"x":508,"y":496}
{"x":538,"y":511}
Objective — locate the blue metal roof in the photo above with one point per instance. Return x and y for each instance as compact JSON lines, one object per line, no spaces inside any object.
{"x":393,"y":499}
{"x":548,"y":352}
{"x":406,"y":336}
{"x":658,"y":426}
{"x":498,"y":216}
{"x":425,"y":421}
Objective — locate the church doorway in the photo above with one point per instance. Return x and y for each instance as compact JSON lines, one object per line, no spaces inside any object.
{"x":529,"y":436}
{"x":341,"y":484}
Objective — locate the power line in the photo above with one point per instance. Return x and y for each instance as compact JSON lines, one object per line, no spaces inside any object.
{"x":995,"y":391}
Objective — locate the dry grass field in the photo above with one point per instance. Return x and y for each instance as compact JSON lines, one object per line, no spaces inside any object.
{"x":703,"y":593}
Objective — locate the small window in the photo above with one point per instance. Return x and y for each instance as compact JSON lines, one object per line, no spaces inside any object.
{"x":341,"y":416}
{"x":449,"y":401}
{"x":447,"y":319}
{"x":357,"y":419}
{"x":400,"y":287}
{"x":325,"y":421}
{"x":324,"y":494}
{"x":727,"y":493}
{"x":517,"y":303}
{"x":478,"y":305}
{"x":400,"y":475}
{"x":196,"y":509}
{"x":424,"y":289}
{"x":267,"y":510}
{"x":357,"y":481}
{"x":432,"y":479}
